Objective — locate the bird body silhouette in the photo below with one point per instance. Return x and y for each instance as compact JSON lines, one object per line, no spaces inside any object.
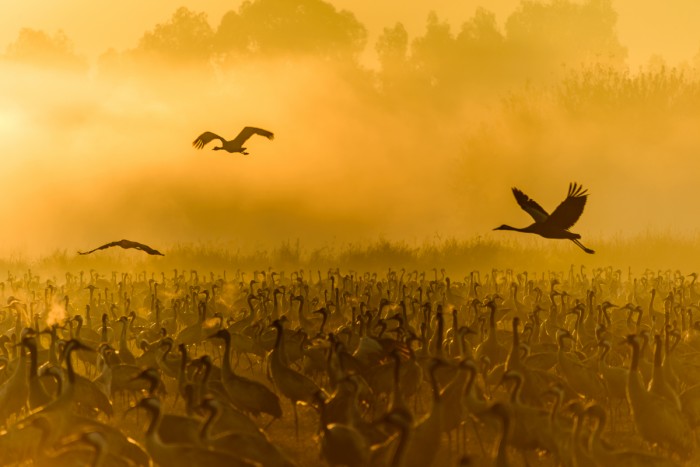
{"x":557,"y":224}
{"x":125,"y":244}
{"x":234,"y":145}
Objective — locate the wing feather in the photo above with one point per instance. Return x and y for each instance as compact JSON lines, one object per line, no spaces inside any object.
{"x":249,"y":131}
{"x":102,"y":247}
{"x":530,"y":206}
{"x":205,"y":138}
{"x":124,"y":244}
{"x":570,"y":210}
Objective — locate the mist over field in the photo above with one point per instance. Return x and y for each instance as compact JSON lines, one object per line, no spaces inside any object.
{"x":384,"y":131}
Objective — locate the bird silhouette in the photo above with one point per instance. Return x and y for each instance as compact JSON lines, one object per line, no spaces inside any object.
{"x":125,"y":244}
{"x":557,"y":224}
{"x":234,"y":145}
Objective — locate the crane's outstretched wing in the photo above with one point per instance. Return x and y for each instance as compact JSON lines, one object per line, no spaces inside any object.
{"x":569,"y":211}
{"x":125,"y":244}
{"x":249,"y":131}
{"x":530,"y":206}
{"x":205,"y":138}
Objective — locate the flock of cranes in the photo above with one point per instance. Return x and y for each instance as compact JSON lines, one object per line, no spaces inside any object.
{"x":555,"y":226}
{"x":234,"y":145}
{"x":343,"y":368}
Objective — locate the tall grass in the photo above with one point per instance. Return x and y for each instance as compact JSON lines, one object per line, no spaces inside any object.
{"x":458,"y":257}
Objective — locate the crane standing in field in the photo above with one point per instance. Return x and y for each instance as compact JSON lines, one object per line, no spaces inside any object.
{"x":558,"y":223}
{"x":234,"y":145}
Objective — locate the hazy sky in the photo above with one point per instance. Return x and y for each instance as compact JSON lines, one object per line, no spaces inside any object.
{"x":645,"y":27}
{"x":88,"y":159}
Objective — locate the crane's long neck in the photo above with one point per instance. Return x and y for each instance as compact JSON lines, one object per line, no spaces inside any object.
{"x":78,"y":328}
{"x":604,"y":355}
{"x":658,"y":354}
{"x":397,"y":399}
{"x":122,"y":337}
{"x":205,"y":431}
{"x":515,"y":397}
{"x":275,"y":305}
{"x":501,"y":447}
{"x":69,"y":365}
{"x":33,"y":361}
{"x":514,"y":356}
{"x":514,"y":229}
{"x":439,"y":333}
{"x":400,"y":452}
{"x":182,"y":373}
{"x":600,"y":426}
{"x":635,"y":387}
{"x":278,"y":356}
{"x":152,"y":430}
{"x":226,"y":364}
{"x":104,"y":330}
{"x":492,"y":322}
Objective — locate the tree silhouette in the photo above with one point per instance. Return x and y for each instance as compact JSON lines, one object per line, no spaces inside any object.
{"x":482,"y":47}
{"x":540,"y":43}
{"x":187,"y":36}
{"x":433,"y":53}
{"x":392,"y":45}
{"x":392,"y":50}
{"x":546,"y":36}
{"x":280,"y":27}
{"x":37,"y":47}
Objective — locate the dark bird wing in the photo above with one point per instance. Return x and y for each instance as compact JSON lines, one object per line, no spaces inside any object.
{"x":249,"y":131}
{"x":569,"y":211}
{"x":205,"y":138}
{"x":106,"y":245}
{"x":530,"y":206}
{"x":125,"y":244}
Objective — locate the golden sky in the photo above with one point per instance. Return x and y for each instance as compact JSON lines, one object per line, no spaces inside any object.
{"x":92,"y":156}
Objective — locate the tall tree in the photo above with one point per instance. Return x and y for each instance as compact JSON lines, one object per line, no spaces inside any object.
{"x":546,"y":36}
{"x":285,"y":27}
{"x":187,"y":36}
{"x":39,"y":48}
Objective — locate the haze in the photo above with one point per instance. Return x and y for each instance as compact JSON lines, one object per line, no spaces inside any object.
{"x":408,"y":133}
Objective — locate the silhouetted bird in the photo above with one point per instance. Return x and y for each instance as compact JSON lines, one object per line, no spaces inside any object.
{"x":125,"y":244}
{"x":236,"y":144}
{"x":558,"y":223}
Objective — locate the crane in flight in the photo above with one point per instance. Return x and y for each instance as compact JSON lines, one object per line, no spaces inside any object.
{"x":557,"y":224}
{"x":234,"y":145}
{"x":125,"y":244}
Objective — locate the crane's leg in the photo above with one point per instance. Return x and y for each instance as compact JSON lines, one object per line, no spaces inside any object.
{"x":580,"y":245}
{"x":269,"y":423}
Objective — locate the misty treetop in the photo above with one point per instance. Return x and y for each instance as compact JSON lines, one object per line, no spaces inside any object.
{"x":280,"y":27}
{"x":38,"y":47}
{"x":538,"y":38}
{"x":542,"y":43}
